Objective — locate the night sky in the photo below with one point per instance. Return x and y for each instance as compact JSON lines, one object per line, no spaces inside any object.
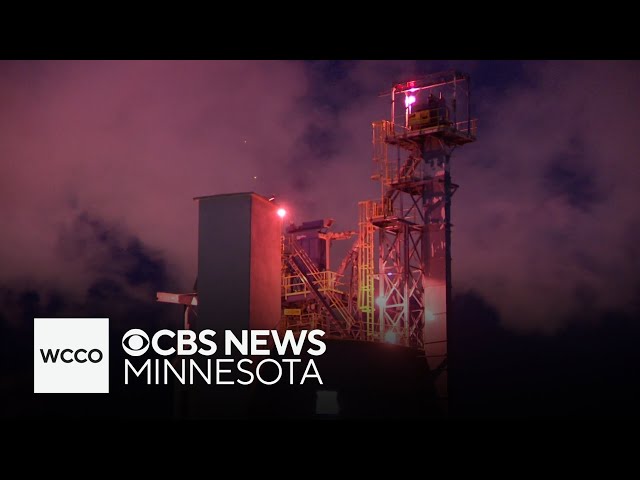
{"x":99,"y":162}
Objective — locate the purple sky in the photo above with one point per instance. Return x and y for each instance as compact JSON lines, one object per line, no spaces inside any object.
{"x":547,"y":219}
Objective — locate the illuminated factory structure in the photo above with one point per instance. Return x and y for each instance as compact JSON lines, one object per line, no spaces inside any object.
{"x":393,"y":288}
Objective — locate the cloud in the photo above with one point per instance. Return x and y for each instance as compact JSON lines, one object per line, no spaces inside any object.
{"x":547,"y":214}
{"x":132,"y":143}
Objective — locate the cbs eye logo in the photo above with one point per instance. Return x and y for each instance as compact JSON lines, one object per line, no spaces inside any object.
{"x":135,"y":342}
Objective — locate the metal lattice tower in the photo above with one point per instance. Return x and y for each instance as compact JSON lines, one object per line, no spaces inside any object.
{"x":430,"y":117}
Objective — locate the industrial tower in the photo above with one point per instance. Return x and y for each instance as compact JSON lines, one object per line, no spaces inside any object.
{"x":430,"y":118}
{"x":405,"y":298}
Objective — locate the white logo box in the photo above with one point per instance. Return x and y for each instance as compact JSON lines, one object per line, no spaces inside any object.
{"x":80,"y":347}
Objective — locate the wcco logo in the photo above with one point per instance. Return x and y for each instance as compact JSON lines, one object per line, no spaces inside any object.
{"x":71,"y":355}
{"x":81,"y":355}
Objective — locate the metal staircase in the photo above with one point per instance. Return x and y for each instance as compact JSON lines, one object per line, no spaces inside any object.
{"x":299,"y":261}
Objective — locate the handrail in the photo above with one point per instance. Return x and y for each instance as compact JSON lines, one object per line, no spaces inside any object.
{"x":305,"y":268}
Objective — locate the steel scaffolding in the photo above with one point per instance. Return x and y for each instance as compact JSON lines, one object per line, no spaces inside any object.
{"x":412,"y":158}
